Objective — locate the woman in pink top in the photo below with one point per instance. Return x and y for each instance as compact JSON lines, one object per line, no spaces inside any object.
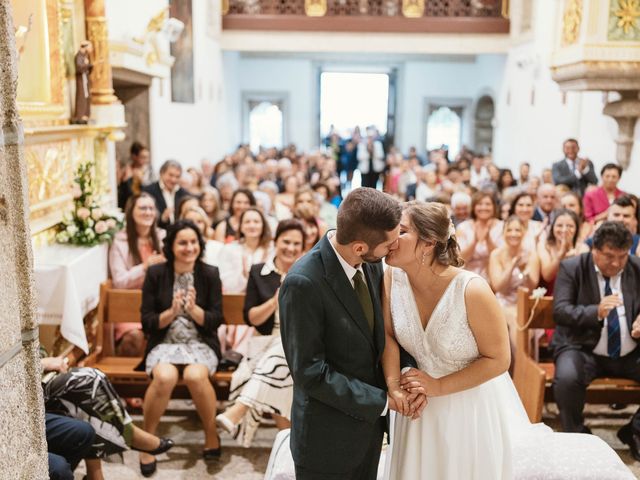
{"x":132,"y":251}
{"x":597,"y":201}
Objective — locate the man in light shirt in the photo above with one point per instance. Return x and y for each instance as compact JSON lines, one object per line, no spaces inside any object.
{"x":597,"y":312}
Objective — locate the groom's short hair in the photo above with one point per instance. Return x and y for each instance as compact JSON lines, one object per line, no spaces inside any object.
{"x":366,"y":215}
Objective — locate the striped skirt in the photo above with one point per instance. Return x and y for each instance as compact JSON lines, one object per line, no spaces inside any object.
{"x":263,"y":383}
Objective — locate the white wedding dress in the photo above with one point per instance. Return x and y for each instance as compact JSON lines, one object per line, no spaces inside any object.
{"x":476,"y":434}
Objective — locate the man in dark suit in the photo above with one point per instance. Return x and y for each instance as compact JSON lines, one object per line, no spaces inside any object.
{"x":167,"y":192}
{"x":333,"y":337}
{"x":597,"y":310}
{"x":576,"y":173}
{"x":546,"y":201}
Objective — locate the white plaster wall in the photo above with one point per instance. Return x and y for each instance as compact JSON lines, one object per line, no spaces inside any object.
{"x":417,"y":80}
{"x":186,"y":132}
{"x":295,"y":77}
{"x":533,"y":130}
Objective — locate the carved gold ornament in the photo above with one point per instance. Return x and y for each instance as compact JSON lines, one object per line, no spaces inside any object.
{"x":413,"y":8}
{"x":571,"y":22}
{"x":627,"y":13}
{"x":315,"y":8}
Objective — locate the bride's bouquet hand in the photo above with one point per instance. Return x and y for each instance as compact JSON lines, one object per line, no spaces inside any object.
{"x":417,"y":381}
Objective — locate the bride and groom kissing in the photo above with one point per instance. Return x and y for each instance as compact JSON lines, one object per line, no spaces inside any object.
{"x":349,"y":329}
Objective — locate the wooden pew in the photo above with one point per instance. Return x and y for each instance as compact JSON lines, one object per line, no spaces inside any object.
{"x":533,"y":380}
{"x":123,"y":306}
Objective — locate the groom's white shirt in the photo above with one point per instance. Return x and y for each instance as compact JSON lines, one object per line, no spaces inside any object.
{"x":350,"y":272}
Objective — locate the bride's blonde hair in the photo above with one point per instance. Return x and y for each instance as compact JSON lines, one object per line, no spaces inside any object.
{"x":431,"y":221}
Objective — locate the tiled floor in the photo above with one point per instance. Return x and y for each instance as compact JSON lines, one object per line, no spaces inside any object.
{"x":184,"y":460}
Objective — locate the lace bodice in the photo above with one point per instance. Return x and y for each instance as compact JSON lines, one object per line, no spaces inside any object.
{"x":447,"y":344}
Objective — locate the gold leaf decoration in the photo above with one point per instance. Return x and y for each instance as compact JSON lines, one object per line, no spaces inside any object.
{"x":627,"y":14}
{"x":571,"y":22}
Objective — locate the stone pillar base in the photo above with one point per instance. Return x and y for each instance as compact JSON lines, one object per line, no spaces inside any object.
{"x":112,"y":114}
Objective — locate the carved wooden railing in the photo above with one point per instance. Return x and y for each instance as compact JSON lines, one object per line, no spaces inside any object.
{"x":432,"y":16}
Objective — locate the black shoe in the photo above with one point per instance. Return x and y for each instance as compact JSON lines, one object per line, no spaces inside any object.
{"x":210,"y":454}
{"x":148,"y":469}
{"x":586,"y":430}
{"x":628,"y":437}
{"x":617,"y":406}
{"x":165,"y":444}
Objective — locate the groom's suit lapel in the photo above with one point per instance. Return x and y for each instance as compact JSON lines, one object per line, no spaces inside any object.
{"x":337,"y":279}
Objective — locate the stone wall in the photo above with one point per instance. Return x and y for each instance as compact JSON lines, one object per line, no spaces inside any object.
{"x":22,"y":444}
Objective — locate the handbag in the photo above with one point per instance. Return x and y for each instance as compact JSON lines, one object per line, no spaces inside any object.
{"x":230,"y":361}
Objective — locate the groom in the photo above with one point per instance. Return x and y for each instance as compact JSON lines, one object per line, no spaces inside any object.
{"x":333,"y":336}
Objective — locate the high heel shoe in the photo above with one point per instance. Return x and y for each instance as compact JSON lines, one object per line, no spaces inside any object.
{"x":165,"y":444}
{"x":148,"y":469}
{"x":210,"y":454}
{"x":227,"y":425}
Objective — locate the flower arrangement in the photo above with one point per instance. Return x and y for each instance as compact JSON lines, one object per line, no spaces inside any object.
{"x":88,"y":224}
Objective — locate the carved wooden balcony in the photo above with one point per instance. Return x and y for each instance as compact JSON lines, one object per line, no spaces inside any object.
{"x":401,"y":16}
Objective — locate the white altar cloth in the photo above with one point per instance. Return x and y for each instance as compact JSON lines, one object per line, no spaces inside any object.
{"x":67,"y":281}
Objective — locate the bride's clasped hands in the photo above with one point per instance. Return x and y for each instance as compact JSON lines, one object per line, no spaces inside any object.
{"x":409,"y":404}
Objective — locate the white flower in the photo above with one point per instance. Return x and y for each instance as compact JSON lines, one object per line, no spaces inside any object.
{"x":72,"y":230}
{"x":111,"y":223}
{"x":96,"y":214}
{"x":89,"y":233}
{"x":539,"y":292}
{"x":90,"y":222}
{"x":452,"y":229}
{"x":62,"y":237}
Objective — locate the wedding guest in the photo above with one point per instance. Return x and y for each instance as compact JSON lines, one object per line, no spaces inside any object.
{"x":86,"y":394}
{"x":461,"y":207}
{"x":68,"y":441}
{"x":572,"y":201}
{"x":328,"y":211}
{"x":186,"y":202}
{"x":598,"y":326}
{"x":210,"y":203}
{"x":623,"y":210}
{"x":226,"y":184}
{"x":285,"y":200}
{"x":511,"y":266}
{"x":481,"y":234}
{"x":252,"y":245}
{"x":559,"y":244}
{"x":572,"y":171}
{"x":132,"y":252}
{"x":522,"y":207}
{"x":597,"y":201}
{"x":181,"y":311}
{"x":262,"y":384}
{"x":212,"y":247}
{"x":546,"y":201}
{"x":167,"y":192}
{"x":240,"y":201}
{"x":137,"y":174}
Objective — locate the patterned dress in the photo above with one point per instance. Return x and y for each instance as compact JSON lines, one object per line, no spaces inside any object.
{"x":182,"y":345}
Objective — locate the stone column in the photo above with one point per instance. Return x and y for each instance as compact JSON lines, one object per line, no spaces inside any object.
{"x":101,"y":85}
{"x":23,"y":449}
{"x":625,"y":112}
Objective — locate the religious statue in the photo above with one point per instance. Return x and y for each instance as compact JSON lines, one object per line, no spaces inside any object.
{"x":83,"y":86}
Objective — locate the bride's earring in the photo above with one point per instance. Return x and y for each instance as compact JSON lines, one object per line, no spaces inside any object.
{"x":424,"y":257}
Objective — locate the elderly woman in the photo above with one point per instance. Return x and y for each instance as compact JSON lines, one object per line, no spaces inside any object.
{"x":132,"y":252}
{"x":262,"y":384}
{"x":181,"y":311}
{"x":481,"y":234}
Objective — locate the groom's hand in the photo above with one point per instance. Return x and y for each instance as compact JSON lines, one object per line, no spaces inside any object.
{"x":417,"y":402}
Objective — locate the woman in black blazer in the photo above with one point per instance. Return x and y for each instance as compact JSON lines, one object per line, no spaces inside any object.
{"x":262,"y":383}
{"x":181,"y":311}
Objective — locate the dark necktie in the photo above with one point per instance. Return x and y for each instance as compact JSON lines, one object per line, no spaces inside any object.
{"x":613,"y":325}
{"x":360,"y":286}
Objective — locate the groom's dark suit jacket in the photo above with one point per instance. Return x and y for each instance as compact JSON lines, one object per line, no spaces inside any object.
{"x":339,"y":390}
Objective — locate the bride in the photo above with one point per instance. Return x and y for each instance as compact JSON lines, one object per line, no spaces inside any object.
{"x":450,"y":322}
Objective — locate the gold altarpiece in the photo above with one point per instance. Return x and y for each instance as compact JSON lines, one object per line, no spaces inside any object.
{"x":48,"y":34}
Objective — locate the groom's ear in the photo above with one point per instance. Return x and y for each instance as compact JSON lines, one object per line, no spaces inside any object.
{"x":359,"y":248}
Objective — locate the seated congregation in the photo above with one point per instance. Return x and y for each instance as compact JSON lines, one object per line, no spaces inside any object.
{"x":193,"y":238}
